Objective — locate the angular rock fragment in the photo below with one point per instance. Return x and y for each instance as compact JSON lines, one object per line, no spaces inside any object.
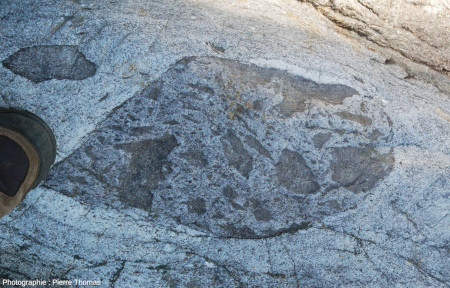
{"x":255,"y":144}
{"x":294,"y":174}
{"x":197,"y":206}
{"x":196,"y":158}
{"x":147,"y":167}
{"x":261,"y":211}
{"x":236,"y":154}
{"x":361,"y":119}
{"x":359,"y":168}
{"x":41,"y":63}
{"x":320,"y":139}
{"x":299,"y":90}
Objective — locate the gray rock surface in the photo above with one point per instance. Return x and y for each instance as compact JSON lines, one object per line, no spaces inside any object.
{"x":41,"y":63}
{"x":241,"y":144}
{"x":419,"y":30}
{"x":176,"y":150}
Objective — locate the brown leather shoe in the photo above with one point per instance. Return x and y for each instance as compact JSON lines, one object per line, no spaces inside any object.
{"x":27,"y":150}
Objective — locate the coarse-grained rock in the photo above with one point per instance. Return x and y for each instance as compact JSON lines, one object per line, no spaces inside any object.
{"x":248,"y":143}
{"x":236,"y":154}
{"x":198,"y":168}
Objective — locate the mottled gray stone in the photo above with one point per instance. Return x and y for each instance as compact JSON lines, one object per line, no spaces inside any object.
{"x":228,"y":192}
{"x":320,"y":139}
{"x":416,"y":29}
{"x":359,"y":168}
{"x":189,"y":147}
{"x":296,"y":91}
{"x":197,"y":206}
{"x":208,"y":225}
{"x":293,"y":173}
{"x":41,"y":63}
{"x":363,"y":120}
{"x":148,"y":166}
{"x":236,"y":154}
{"x":255,"y":144}
{"x":260,"y":210}
{"x":196,"y":158}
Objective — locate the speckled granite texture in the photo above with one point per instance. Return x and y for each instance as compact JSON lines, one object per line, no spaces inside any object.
{"x":238,"y":144}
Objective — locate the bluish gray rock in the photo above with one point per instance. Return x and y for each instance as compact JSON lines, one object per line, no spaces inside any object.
{"x":233,"y":144}
{"x":41,"y":63}
{"x":180,"y":148}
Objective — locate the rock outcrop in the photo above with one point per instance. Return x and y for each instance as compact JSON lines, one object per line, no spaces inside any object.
{"x":232,"y":144}
{"x":418,"y":30}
